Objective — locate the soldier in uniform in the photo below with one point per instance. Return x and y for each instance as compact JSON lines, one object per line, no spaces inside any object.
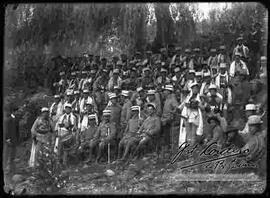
{"x":170,"y":106}
{"x":130,"y":138}
{"x":215,"y":132}
{"x":153,"y":98}
{"x":105,"y":136}
{"x":256,"y":144}
{"x":125,"y":112}
{"x":88,"y":133}
{"x":149,"y":129}
{"x":115,"y":114}
{"x":250,"y":109}
{"x":115,"y":80}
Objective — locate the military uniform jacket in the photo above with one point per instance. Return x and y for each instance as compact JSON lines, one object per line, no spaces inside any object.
{"x":133,"y":126}
{"x":125,"y":112}
{"x":106,"y":130}
{"x":169,"y":105}
{"x":115,"y":113}
{"x":150,"y":126}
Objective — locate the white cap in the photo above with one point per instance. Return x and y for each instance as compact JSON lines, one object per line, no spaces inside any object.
{"x":238,"y":54}
{"x":139,"y":89}
{"x":163,"y":70}
{"x":68,"y":105}
{"x":263,"y":58}
{"x":116,"y":71}
{"x":69,"y":93}
{"x":77,"y":92}
{"x":135,"y":108}
{"x":250,"y":107}
{"x":56,"y":96}
{"x":151,"y":92}
{"x":177,"y":69}
{"x":223,"y":65}
{"x":62,"y":73}
{"x":73,"y":73}
{"x":89,"y":101}
{"x":106,"y":112}
{"x":125,"y":93}
{"x":44,"y":109}
{"x":254,"y":119}
{"x":85,"y":91}
{"x":169,"y":87}
{"x":146,"y":69}
{"x":92,"y":117}
{"x":205,"y":74}
{"x":191,"y":71}
{"x":112,"y":95}
{"x":84,"y":72}
{"x":116,"y":87}
{"x":198,"y":74}
{"x":212,"y":86}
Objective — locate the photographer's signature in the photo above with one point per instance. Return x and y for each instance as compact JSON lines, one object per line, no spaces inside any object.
{"x":217,"y":157}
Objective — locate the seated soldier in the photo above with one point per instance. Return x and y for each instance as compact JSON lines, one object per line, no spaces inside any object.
{"x":250,"y":110}
{"x":130,"y":132}
{"x":256,"y":144}
{"x":105,"y":135}
{"x":150,"y":127}
{"x":215,"y":134}
{"x":87,"y":134}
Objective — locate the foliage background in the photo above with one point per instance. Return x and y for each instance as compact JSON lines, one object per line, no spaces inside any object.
{"x":34,"y":33}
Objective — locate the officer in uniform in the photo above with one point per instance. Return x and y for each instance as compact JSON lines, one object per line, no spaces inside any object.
{"x":149,"y":129}
{"x":130,"y":134}
{"x":105,"y":136}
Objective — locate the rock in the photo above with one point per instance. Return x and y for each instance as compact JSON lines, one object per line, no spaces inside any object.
{"x":109,"y":173}
{"x":17,"y":178}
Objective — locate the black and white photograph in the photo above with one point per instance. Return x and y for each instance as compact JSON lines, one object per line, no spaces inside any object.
{"x":135,"y":98}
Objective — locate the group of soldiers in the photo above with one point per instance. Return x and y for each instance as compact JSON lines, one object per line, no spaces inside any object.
{"x":122,"y":108}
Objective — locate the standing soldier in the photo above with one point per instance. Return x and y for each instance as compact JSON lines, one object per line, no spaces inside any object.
{"x":125,"y":112}
{"x":115,"y":114}
{"x":169,"y":108}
